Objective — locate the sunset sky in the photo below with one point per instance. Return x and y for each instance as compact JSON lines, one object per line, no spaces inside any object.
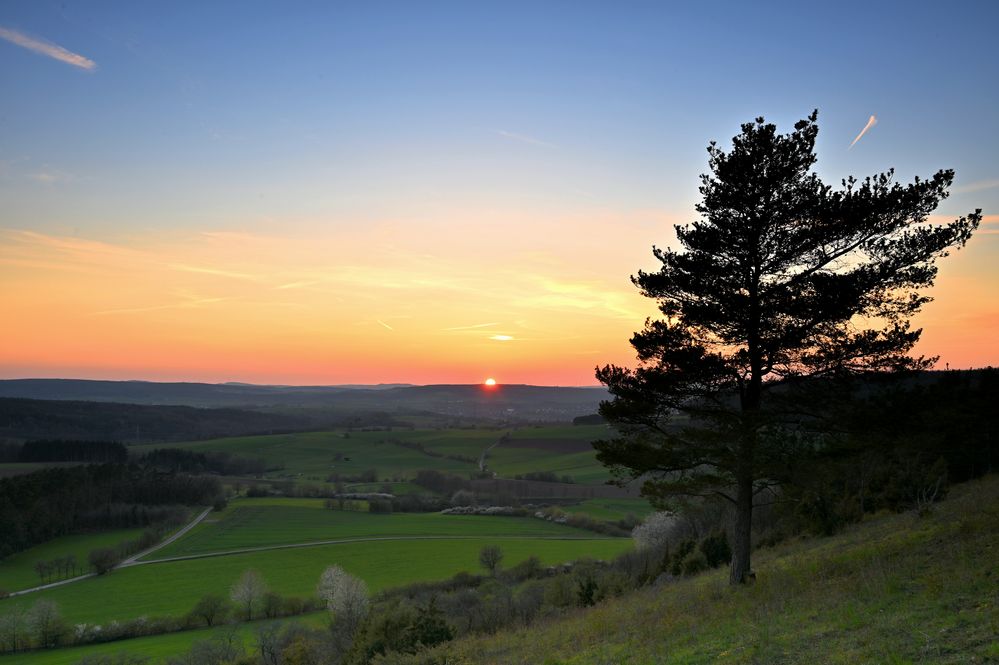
{"x":431,"y":192}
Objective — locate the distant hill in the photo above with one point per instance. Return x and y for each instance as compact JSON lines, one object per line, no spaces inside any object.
{"x":505,"y":402}
{"x":56,"y":419}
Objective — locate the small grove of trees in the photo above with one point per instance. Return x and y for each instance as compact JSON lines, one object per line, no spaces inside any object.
{"x":103,"y":560}
{"x":60,"y":567}
{"x":38,"y":626}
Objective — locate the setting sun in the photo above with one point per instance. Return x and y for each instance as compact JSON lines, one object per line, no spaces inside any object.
{"x":490,"y":382}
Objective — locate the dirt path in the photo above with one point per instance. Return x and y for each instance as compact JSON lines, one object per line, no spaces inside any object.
{"x":132,"y":560}
{"x":485,"y":453}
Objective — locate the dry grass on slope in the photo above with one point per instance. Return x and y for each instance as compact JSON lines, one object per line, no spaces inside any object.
{"x":894,"y":589}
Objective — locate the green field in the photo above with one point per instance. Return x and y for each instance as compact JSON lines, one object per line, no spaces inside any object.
{"x":312,"y":456}
{"x":172,"y":588}
{"x":387,"y":550}
{"x":18,"y":571}
{"x":611,"y":510}
{"x":261,"y":522}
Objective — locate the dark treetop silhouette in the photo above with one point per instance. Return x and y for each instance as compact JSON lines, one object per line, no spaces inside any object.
{"x":782,"y":279}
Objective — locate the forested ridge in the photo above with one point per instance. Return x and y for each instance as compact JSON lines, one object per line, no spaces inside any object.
{"x":46,"y":504}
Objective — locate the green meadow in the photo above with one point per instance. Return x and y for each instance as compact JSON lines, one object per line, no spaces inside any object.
{"x":314,"y":456}
{"x":263,"y":522}
{"x":611,"y":510}
{"x":172,"y":588}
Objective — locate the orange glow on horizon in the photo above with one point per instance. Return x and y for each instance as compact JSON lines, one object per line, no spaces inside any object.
{"x":390,"y":303}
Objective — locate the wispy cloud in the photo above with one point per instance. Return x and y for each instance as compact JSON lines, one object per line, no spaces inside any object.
{"x":50,"y":176}
{"x":474,"y":327}
{"x":199,"y":302}
{"x":53,"y":51}
{"x":977,"y":186}
{"x":385,"y":325}
{"x":523,"y":138}
{"x":302,"y":284}
{"x":502,"y":338}
{"x":873,"y":120}
{"x":212,"y":271}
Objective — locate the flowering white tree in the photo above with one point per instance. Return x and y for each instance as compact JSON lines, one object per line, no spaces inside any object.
{"x":656,"y":531}
{"x":346,"y":597}
{"x":248,"y":591}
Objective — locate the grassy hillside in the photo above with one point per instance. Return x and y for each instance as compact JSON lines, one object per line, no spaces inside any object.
{"x":894,"y":589}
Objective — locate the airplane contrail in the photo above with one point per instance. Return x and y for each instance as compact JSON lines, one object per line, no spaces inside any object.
{"x":873,"y":120}
{"x":44,"y":48}
{"x":385,"y":324}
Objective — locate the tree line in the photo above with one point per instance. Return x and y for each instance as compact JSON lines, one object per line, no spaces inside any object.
{"x":62,"y":450}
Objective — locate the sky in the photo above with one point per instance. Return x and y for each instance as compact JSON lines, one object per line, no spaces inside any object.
{"x":322,"y":193}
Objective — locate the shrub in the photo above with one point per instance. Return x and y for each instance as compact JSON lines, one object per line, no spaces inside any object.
{"x":103,"y":560}
{"x":695,"y":562}
{"x":716,"y":549}
{"x":676,"y":561}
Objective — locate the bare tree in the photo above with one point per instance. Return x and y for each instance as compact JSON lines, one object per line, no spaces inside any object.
{"x":210,"y":608}
{"x":248,"y":591}
{"x":268,"y":639}
{"x":490,"y":557}
{"x":346,"y":597}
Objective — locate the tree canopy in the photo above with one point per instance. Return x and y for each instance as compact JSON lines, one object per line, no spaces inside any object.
{"x":784,"y":282}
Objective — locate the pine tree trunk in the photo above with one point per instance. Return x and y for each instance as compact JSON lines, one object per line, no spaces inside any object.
{"x":741,"y":548}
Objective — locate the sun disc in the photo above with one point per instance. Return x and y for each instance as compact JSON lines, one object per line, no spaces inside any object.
{"x":490,"y":382}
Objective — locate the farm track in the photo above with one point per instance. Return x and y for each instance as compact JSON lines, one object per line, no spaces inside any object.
{"x":485,"y":453}
{"x":132,"y":560}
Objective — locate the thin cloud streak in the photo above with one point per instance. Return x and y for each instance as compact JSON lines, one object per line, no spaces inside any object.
{"x":477,"y":325}
{"x":153,"y":308}
{"x":183,"y":267}
{"x":384,"y":324}
{"x":873,"y":120}
{"x":53,"y":51}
